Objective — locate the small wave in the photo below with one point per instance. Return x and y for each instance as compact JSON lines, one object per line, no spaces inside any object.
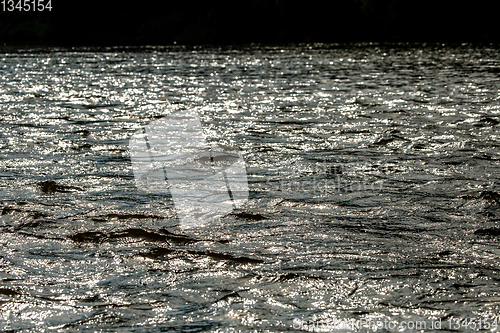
{"x":98,"y":237}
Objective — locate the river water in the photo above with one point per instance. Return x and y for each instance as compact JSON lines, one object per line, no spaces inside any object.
{"x":373,"y":174}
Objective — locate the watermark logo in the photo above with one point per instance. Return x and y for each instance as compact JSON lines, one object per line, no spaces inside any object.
{"x":171,"y":155}
{"x":367,"y":325}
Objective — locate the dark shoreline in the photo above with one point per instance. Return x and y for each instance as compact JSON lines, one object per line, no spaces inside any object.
{"x":196,"y":22}
{"x":253,"y":46}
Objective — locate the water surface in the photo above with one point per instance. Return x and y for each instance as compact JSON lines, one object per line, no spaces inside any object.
{"x":373,"y":175}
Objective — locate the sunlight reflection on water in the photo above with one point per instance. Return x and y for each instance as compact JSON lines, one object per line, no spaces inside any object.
{"x":82,"y":247}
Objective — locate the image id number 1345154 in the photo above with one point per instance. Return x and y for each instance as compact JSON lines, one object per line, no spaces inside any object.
{"x":26,"y":5}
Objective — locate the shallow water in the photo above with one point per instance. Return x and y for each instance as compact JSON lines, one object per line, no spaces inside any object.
{"x":373,"y":176}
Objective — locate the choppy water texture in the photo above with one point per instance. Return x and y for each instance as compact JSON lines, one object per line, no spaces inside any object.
{"x":373,"y":176}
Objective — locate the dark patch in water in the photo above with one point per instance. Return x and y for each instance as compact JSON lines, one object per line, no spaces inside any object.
{"x":85,"y":146}
{"x":91,"y":299}
{"x":293,"y":276}
{"x":289,"y":276}
{"x":37,"y":215}
{"x":50,"y":187}
{"x":107,"y":217}
{"x":177,"y":238}
{"x":87,"y":106}
{"x":8,"y":292}
{"x":229,"y":296}
{"x":490,"y":196}
{"x":487,"y":232}
{"x":156,"y":252}
{"x":249,"y":216}
{"x":487,"y":121}
{"x":7,"y":210}
{"x":96,"y":236}
{"x":383,"y":141}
